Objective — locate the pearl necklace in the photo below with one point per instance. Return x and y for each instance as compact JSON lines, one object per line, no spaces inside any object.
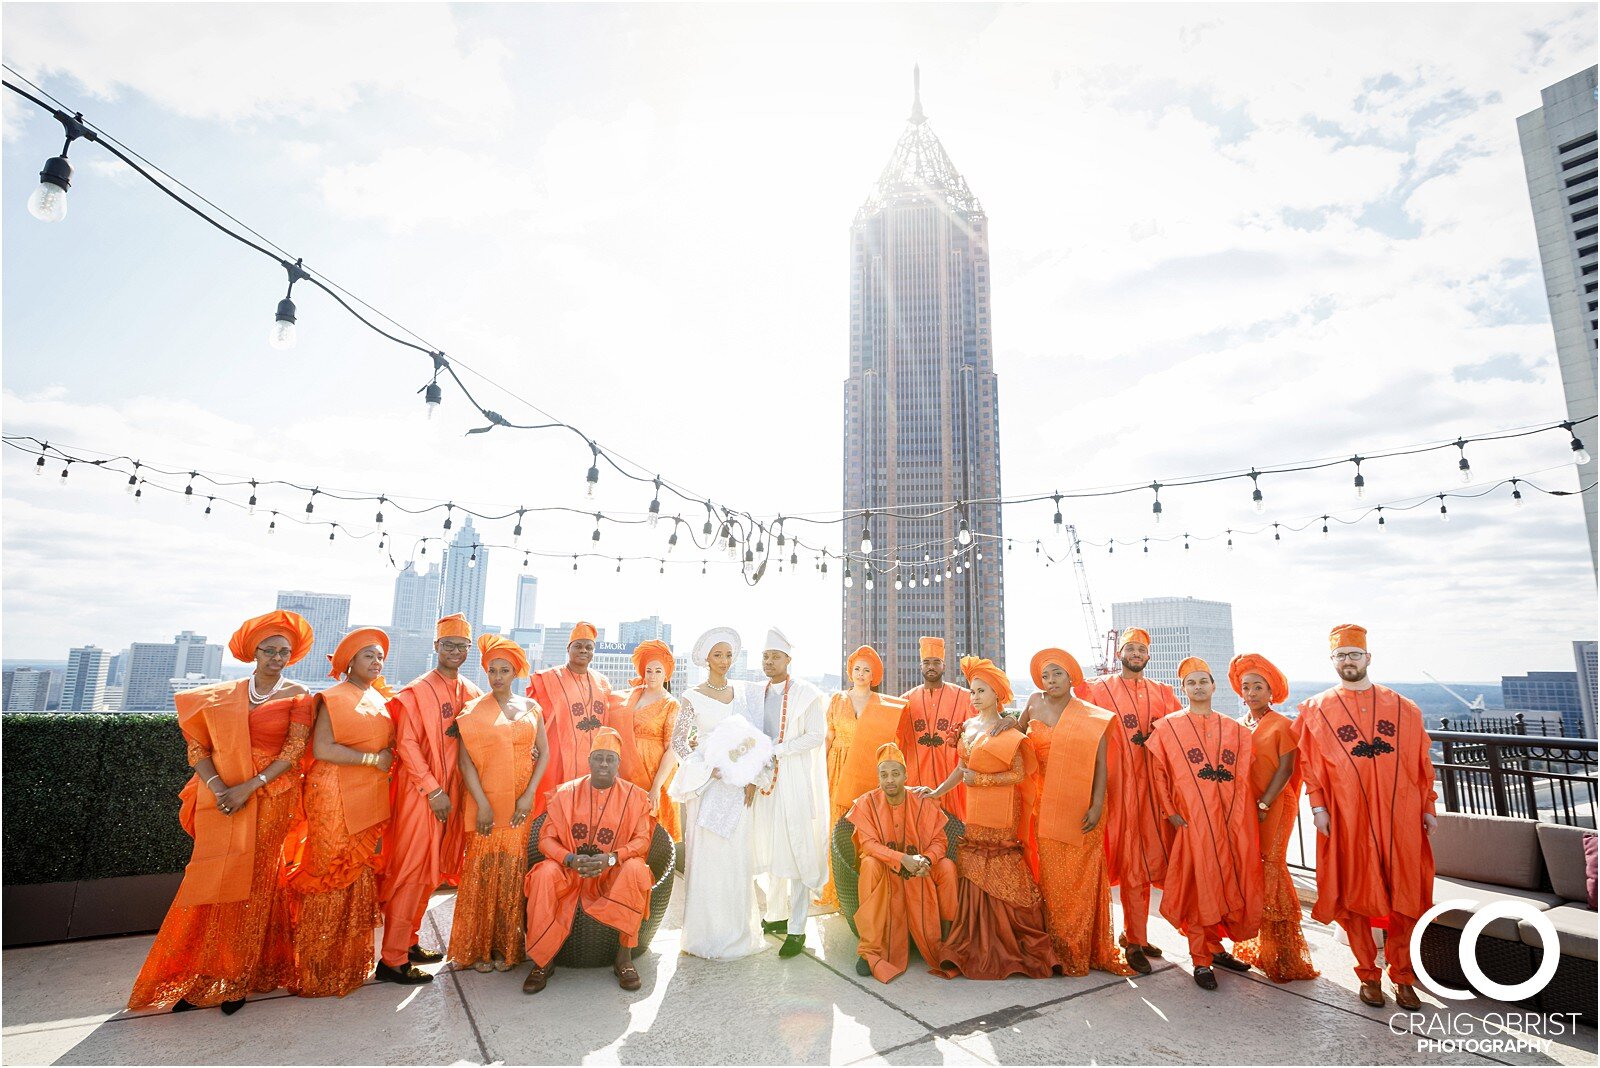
{"x":257,"y":698}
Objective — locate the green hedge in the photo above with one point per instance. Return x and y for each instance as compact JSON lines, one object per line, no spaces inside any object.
{"x":91,"y":796}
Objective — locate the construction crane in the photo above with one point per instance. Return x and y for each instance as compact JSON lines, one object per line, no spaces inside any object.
{"x":1476,"y":706}
{"x":1091,"y":621}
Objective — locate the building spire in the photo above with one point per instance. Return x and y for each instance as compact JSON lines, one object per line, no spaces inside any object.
{"x":916,"y":95}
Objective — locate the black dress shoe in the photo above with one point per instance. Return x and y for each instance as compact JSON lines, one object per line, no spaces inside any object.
{"x":182,"y":1006}
{"x":1136,"y":959}
{"x":231,"y":1007}
{"x":862,"y":967}
{"x":410,"y":975}
{"x":1206,"y":978}
{"x":792,"y":946}
{"x":1230,"y":962}
{"x":418,"y":955}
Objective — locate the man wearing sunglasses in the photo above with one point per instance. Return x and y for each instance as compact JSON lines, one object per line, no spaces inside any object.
{"x":425,"y":842}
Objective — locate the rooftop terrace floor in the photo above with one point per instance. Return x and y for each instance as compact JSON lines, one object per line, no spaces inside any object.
{"x":62,"y":1004}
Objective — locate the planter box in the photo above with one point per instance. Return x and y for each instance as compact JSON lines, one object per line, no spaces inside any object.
{"x":94,"y":908}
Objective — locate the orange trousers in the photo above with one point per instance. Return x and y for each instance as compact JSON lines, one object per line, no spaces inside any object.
{"x":1396,"y":947}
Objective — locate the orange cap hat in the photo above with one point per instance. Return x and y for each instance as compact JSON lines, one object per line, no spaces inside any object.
{"x":651,"y":651}
{"x":1059,"y":657}
{"x":890,"y":751}
{"x":1256,"y":664}
{"x":252,"y":632}
{"x":496,"y":647}
{"x":977,"y":667}
{"x":870,"y":655}
{"x":1189,"y":665}
{"x":353,"y":643}
{"x":1133,"y":634}
{"x":455,"y":626}
{"x":930,"y":647}
{"x":607,"y":738}
{"x":582,"y":631}
{"x":1347,"y":636}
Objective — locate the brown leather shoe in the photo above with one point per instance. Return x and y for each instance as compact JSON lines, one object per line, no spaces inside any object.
{"x":627,"y":975}
{"x":1136,"y":959}
{"x":1372,"y":993}
{"x":536,"y":980}
{"x":1406,"y":997}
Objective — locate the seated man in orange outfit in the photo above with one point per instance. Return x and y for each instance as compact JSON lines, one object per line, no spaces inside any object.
{"x":595,"y":839}
{"x":908,"y":882}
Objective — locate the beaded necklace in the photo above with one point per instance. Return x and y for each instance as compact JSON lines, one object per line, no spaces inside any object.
{"x":783,"y":726}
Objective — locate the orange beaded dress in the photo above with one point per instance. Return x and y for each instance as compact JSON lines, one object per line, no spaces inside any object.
{"x":332,"y":853}
{"x":651,"y":730}
{"x":1074,"y":874}
{"x":227,"y":933}
{"x":1280,"y":949}
{"x":490,"y":909}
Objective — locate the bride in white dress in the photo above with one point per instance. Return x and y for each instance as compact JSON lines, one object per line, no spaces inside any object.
{"x":720,"y":920}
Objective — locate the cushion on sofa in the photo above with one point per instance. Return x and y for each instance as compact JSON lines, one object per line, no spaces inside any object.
{"x":1563,"y":851}
{"x":1503,"y":850}
{"x":1501,"y":927}
{"x":1576,"y":930}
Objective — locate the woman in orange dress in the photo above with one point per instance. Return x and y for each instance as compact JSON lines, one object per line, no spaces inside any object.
{"x":1072,"y":740}
{"x":860,"y":720}
{"x":1280,"y":949}
{"x":1000,"y":928}
{"x":645,"y":719}
{"x":332,"y":853}
{"x":502,"y":756}
{"x":227,"y":932}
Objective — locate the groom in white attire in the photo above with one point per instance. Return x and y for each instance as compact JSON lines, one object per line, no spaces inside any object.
{"x":791,"y":809}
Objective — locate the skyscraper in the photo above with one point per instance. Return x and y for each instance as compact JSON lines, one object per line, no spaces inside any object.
{"x":25,"y":689}
{"x":85,"y":688}
{"x":466,"y":574}
{"x":1180,"y":627}
{"x":921,"y":420}
{"x":196,"y":657}
{"x":148,"y":685}
{"x":329,"y":616}
{"x":1587,"y":656}
{"x":1559,"y":153}
{"x":416,"y":599}
{"x":632,"y":632}
{"x":527,"y":601}
{"x":1557,"y":692}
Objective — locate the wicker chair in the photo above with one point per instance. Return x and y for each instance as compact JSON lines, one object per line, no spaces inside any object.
{"x":592,"y":944}
{"x":846,"y":866}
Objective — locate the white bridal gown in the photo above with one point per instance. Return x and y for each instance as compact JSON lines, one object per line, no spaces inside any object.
{"x":720,"y":921}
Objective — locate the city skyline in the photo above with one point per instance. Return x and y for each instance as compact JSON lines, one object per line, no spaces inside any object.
{"x":1350,"y":264}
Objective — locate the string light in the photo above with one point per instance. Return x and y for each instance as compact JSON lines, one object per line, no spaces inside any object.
{"x":1230,"y":541}
{"x":1256,"y":500}
{"x":866,"y":534}
{"x":1276,"y":535}
{"x":1324,"y":526}
{"x":272,"y":527}
{"x":133,"y":479}
{"x":516,"y":532}
{"x":963,"y":533}
{"x":1057,"y":519}
{"x":209,"y":502}
{"x":655,"y":505}
{"x":447,"y":510}
{"x":1361,"y":480}
{"x":62,"y":481}
{"x":1381,"y":525}
{"x":595,"y":537}
{"x":1580,"y":455}
{"x":870,"y":584}
{"x":1516,"y":494}
{"x":310,"y":504}
{"x":252,"y":497}
{"x":379,"y":517}
{"x":1444,"y":511}
{"x":48,"y":201}
{"x":524,"y":559}
{"x":432,"y":394}
{"x":1156,"y":507}
{"x":472,"y":561}
{"x":38,"y":467}
{"x":593,"y":477}
{"x":672,"y":539}
{"x":1463,"y":465}
{"x":283,"y":322}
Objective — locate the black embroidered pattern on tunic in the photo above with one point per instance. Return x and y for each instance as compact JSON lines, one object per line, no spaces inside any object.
{"x":1214,"y":774}
{"x":605,"y":835}
{"x":1386,"y":728}
{"x":1347,"y":734}
{"x":1195,"y":756}
{"x":1371,"y":750}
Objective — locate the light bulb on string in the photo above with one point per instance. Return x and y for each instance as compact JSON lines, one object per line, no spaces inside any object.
{"x":1324,"y":526}
{"x":1516,"y":494}
{"x":311,"y":503}
{"x":1580,"y":455}
{"x":1444,"y":511}
{"x":593,"y":477}
{"x":516,"y":532}
{"x":1156,"y":506}
{"x":188,"y":491}
{"x":252,"y":510}
{"x":866,"y":534}
{"x":1381,"y":524}
{"x":383,"y":539}
{"x":138,"y":493}
{"x":272,"y":527}
{"x":1277,"y":535}
{"x":133,"y":479}
{"x":980,"y":554}
{"x":947,"y":572}
{"x":963,"y":533}
{"x":705,"y":531}
{"x":1256,"y":500}
{"x":662,"y":569}
{"x":1057,"y":520}
{"x":595,"y":537}
{"x":619,"y":565}
{"x":48,"y":201}
{"x":672,"y":539}
{"x":1230,"y":541}
{"x":1360,"y":481}
{"x":38,"y":467}
{"x":898,"y":584}
{"x":926,"y":581}
{"x":447,"y":509}
{"x":1186,"y":543}
{"x":655,"y":505}
{"x":432,"y":395}
{"x":870,"y":584}
{"x":472,"y":561}
{"x":524,"y":559}
{"x":1463,"y":465}
{"x":379,"y":517}
{"x":330,"y":533}
{"x":283,"y":321}
{"x":702,"y":567}
{"x":1147,"y":545}
{"x":937,"y":577}
{"x":209,"y":502}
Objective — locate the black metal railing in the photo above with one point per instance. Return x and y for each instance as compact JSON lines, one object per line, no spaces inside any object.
{"x":1533,"y":775}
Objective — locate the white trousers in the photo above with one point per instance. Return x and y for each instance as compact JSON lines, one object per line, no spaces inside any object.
{"x":790,"y":893}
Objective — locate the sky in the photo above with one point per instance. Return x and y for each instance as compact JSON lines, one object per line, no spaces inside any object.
{"x":1221,"y":237}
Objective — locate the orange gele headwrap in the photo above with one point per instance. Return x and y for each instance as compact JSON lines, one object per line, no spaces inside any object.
{"x":1059,"y":657}
{"x":495,"y":647}
{"x":582,"y":631}
{"x":651,"y":651}
{"x":977,"y":667}
{"x":455,"y":626}
{"x":870,"y":655}
{"x":1347,"y":636}
{"x":1256,"y":664}
{"x":607,"y":738}
{"x":353,"y":643}
{"x":890,"y":751}
{"x":252,"y":632}
{"x":1189,"y":665}
{"x":1133,"y":634}
{"x":930,"y":647}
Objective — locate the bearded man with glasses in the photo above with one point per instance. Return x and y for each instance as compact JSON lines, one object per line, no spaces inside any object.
{"x":425,"y":841}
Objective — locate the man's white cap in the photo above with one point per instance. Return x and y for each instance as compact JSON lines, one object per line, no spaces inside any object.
{"x":704,"y":644}
{"x":777,"y":641}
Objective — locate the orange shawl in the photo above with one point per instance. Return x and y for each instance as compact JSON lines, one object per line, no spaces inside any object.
{"x":359,"y":720}
{"x":1068,"y":785}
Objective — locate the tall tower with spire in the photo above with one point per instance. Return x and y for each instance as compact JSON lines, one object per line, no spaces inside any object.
{"x":921,"y":418}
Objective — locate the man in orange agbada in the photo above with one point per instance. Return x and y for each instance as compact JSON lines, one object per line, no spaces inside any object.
{"x":935,"y":713}
{"x":908,"y":881}
{"x":1369,"y":778}
{"x":595,"y":839}
{"x":576,"y":704}
{"x":1139,"y":849}
{"x":425,"y":839}
{"x":1201,"y":764}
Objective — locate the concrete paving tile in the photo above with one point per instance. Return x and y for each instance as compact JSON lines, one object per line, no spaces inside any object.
{"x":94,"y":976}
{"x":931,"y":1050}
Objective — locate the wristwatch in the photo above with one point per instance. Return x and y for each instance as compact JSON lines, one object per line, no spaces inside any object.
{"x":611,"y":860}
{"x":1263,"y":806}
